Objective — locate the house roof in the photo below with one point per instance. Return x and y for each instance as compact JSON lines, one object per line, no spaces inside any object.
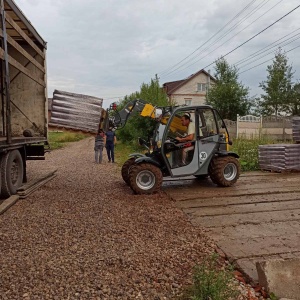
{"x":171,"y":87}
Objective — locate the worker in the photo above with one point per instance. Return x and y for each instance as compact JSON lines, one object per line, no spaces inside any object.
{"x":187,"y":122}
{"x":111,"y":141}
{"x":99,"y":145}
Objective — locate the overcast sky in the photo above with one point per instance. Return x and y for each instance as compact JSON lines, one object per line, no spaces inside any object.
{"x":108,"y":48}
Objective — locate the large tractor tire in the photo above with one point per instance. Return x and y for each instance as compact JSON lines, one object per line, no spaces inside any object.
{"x":224,"y":171}
{"x":145,"y":178}
{"x":11,"y":173}
{"x":125,"y":169}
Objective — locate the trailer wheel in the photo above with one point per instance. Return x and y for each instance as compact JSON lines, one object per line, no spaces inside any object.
{"x":224,"y":171}
{"x":145,"y":178}
{"x":11,"y":173}
{"x":125,"y":169}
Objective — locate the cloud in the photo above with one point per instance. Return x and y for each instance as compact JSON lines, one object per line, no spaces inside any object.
{"x":106,"y":48}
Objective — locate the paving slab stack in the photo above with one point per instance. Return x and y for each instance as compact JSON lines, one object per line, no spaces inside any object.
{"x":296,"y":129}
{"x":282,"y":157}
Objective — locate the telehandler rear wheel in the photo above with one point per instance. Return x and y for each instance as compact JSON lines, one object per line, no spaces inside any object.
{"x":145,"y":178}
{"x":224,"y":171}
{"x":125,"y":169}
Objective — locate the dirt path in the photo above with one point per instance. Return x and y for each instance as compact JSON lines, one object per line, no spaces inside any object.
{"x":84,"y":235}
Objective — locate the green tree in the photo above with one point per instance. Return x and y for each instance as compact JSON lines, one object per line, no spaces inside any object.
{"x":228,"y":95}
{"x":278,"y":87}
{"x":138,"y":126}
{"x":295,"y":103}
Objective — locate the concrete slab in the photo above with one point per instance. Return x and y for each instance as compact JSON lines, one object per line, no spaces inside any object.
{"x":256,"y":220}
{"x":281,"y":277}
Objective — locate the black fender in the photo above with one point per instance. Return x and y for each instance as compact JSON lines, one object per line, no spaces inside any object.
{"x":149,"y":160}
{"x":136,"y":155}
{"x":227,"y":153}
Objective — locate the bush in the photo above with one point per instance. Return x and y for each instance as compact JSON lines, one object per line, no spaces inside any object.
{"x":211,"y":283}
{"x":247,"y":149}
{"x":122,"y":151}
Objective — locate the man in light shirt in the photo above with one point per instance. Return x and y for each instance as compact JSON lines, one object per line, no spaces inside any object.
{"x":186,"y":121}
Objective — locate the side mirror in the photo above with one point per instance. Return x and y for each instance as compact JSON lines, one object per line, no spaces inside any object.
{"x":230,"y":142}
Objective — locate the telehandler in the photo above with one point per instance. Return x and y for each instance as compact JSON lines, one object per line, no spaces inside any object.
{"x":209,"y":153}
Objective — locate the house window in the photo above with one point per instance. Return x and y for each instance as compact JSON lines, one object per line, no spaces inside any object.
{"x":187,"y":101}
{"x":201,"y":87}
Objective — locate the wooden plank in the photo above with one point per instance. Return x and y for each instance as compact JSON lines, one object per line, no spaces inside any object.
{"x":21,"y":68}
{"x":24,"y":35}
{"x":243,"y":208}
{"x":261,"y":246}
{"x":250,"y":218}
{"x":251,"y":231}
{"x":35,"y":185}
{"x":215,"y":192}
{"x":7,"y":203}
{"x":32,"y":183}
{"x":246,"y":199}
{"x":23,"y":52}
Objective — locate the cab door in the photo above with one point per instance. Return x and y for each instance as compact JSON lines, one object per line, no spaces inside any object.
{"x":172,"y":150}
{"x":204,"y":145}
{"x":207,"y":140}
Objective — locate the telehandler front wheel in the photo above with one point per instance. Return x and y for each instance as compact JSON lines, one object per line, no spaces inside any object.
{"x":125,"y":169}
{"x":224,"y":171}
{"x":145,"y":178}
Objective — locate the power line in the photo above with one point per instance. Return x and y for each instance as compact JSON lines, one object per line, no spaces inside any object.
{"x":220,"y":30}
{"x":188,"y":90}
{"x":270,"y":52}
{"x":255,"y":35}
{"x":268,"y":60}
{"x":261,"y":50}
{"x":254,"y":10}
{"x":227,"y":39}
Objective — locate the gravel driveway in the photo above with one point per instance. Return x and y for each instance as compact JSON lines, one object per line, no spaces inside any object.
{"x":84,"y":235}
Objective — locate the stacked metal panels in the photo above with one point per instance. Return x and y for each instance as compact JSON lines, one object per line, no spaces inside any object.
{"x":279,"y":157}
{"x":75,"y":111}
{"x":296,"y":129}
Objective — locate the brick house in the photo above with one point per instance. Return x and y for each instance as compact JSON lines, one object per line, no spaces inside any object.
{"x":189,"y":91}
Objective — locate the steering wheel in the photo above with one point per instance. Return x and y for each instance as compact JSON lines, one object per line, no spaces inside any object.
{"x":172,"y":140}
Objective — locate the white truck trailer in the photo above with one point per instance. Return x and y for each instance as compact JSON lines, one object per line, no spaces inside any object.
{"x":23,"y":99}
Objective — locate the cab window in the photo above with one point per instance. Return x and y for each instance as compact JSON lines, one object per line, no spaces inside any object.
{"x":207,"y":123}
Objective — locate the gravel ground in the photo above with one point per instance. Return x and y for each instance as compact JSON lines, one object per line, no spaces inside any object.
{"x":84,"y":235}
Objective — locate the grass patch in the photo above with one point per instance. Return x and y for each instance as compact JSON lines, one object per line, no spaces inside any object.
{"x":211,"y":282}
{"x":247,"y":149}
{"x":122,"y":151}
{"x":59,"y":139}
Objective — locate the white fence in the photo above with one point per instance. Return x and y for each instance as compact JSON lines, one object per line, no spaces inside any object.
{"x":279,"y":128}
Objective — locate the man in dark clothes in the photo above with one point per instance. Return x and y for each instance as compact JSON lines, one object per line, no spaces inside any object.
{"x":110,"y":144}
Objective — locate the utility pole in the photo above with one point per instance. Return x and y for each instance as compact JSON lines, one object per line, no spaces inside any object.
{"x":157,"y":83}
